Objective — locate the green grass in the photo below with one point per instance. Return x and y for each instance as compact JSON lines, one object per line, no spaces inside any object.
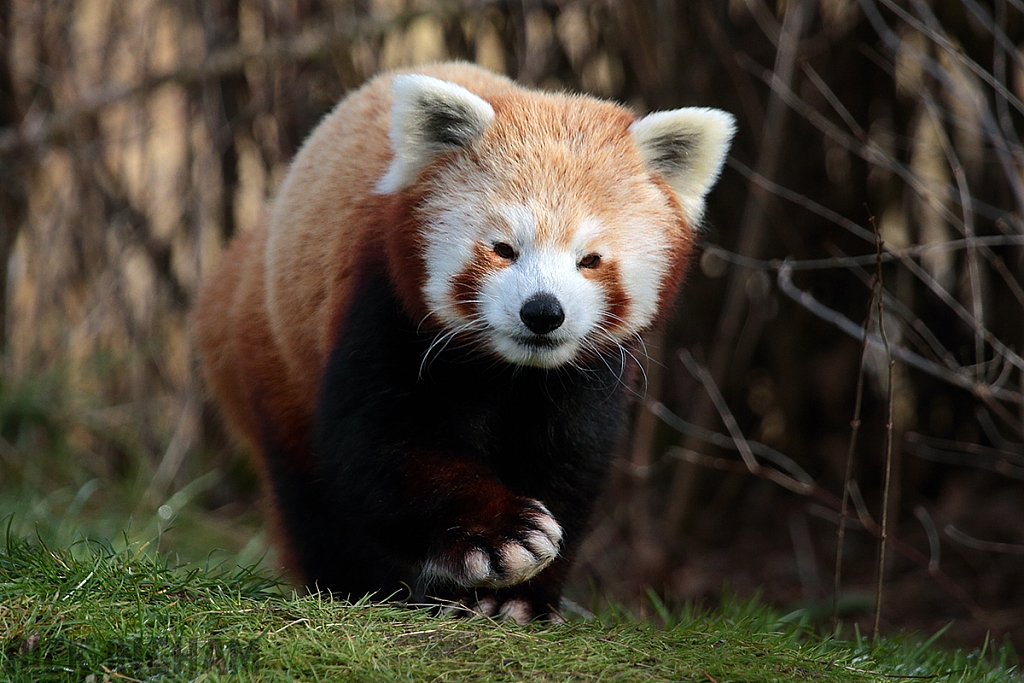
{"x":72,"y":465}
{"x":73,"y":462}
{"x":92,"y":613}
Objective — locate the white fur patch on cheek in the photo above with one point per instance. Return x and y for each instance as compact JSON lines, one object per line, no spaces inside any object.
{"x":642,"y":272}
{"x":461,"y":221}
{"x":453,"y":224}
{"x":445,"y":259}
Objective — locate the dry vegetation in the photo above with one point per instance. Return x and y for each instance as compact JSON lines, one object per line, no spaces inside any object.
{"x":137,"y":137}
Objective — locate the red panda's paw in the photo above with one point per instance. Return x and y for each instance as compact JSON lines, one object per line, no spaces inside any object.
{"x":517,"y":609}
{"x":513,"y":548}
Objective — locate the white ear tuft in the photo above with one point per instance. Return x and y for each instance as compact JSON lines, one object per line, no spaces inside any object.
{"x":687,"y":147}
{"x":429,"y":116}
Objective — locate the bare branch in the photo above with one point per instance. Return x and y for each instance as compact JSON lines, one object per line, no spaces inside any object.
{"x":704,"y":377}
{"x":723,"y":441}
{"x":868,"y":149}
{"x":894,"y":44}
{"x":1004,"y":462}
{"x":974,"y":276}
{"x":312,"y":44}
{"x":852,"y":262}
{"x":844,"y":509}
{"x":988,"y":546}
{"x":985,"y":392}
{"x":869,"y":525}
{"x":934,"y":546}
{"x":886,"y":487}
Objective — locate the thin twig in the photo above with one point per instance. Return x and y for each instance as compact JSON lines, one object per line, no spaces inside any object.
{"x":869,"y":150}
{"x":897,"y":45}
{"x":751,"y":237}
{"x":974,"y":276}
{"x":888,"y":457}
{"x":832,"y":503}
{"x":863,"y":514}
{"x":724,"y":441}
{"x":913,"y":324}
{"x":890,"y":255}
{"x":985,"y":392}
{"x":934,"y":546}
{"x":837,"y":105}
{"x":975,"y":456}
{"x":873,"y":153}
{"x":933,"y":30}
{"x":997,"y":26}
{"x":992,"y":432}
{"x":848,"y":474}
{"x":704,"y":377}
{"x":1003,"y":43}
{"x":311,"y":44}
{"x":989,"y":546}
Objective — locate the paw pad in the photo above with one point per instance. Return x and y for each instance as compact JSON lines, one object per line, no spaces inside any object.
{"x":518,"y":546}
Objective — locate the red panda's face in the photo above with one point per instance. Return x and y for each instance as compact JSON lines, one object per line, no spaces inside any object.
{"x":551,"y":228}
{"x":547,"y":278}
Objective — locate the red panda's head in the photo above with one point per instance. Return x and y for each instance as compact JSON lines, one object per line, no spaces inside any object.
{"x":550,"y":226}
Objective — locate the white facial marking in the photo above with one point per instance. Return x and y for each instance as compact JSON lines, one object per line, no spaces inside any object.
{"x":541,"y":269}
{"x":642,"y":271}
{"x":481,"y":199}
{"x":454,"y":233}
{"x":587,"y":237}
{"x":520,"y":224}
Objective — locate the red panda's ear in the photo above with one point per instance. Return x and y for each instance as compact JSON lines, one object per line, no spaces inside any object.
{"x":429,"y":116}
{"x":687,"y":147}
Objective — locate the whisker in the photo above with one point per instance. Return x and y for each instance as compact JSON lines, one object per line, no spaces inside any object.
{"x":442,"y":340}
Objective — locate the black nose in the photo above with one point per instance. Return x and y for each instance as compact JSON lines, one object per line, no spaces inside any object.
{"x":542,"y":313}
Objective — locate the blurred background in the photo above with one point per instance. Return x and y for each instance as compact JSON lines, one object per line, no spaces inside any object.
{"x":877,"y":182}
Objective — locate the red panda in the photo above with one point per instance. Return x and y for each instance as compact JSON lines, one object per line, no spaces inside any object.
{"x":430,"y":339}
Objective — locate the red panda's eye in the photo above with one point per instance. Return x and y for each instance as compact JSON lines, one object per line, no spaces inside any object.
{"x":590,"y":261}
{"x":505,"y":251}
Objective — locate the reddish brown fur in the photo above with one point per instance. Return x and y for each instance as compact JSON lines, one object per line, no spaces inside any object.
{"x":267,"y":319}
{"x":466,"y":285}
{"x":616,"y":299}
{"x":682,"y":248}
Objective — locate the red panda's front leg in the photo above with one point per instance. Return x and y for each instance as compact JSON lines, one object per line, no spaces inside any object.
{"x":481,"y":536}
{"x":496,"y":548}
{"x":405,"y":497}
{"x":438,"y":524}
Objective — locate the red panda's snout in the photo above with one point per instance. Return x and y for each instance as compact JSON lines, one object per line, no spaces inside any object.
{"x":540,"y":309}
